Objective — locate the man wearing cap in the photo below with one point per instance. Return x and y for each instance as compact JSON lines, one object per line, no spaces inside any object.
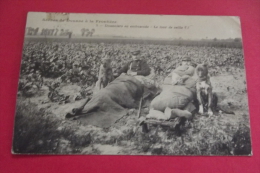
{"x":183,"y":72}
{"x":178,"y":99}
{"x":136,"y":67}
{"x":141,"y":71}
{"x":186,"y":67}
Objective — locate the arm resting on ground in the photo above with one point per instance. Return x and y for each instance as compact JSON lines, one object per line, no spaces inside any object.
{"x":123,"y":69}
{"x":145,"y":69}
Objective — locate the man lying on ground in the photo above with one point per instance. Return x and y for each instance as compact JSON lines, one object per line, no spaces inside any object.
{"x":184,"y":71}
{"x":176,"y":100}
{"x":139,"y":69}
{"x":136,"y":67}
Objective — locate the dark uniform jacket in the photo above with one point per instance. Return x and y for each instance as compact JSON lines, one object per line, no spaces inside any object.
{"x":139,"y":66}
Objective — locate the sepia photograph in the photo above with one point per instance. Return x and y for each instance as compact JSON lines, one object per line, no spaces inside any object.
{"x":126,"y":84}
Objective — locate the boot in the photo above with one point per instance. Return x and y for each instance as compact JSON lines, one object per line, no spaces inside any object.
{"x":168,"y":113}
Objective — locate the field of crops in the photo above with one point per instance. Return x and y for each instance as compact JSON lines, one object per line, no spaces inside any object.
{"x":40,"y":126}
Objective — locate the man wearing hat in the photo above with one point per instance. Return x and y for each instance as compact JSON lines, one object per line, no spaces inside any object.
{"x":136,"y":67}
{"x":184,"y":71}
{"x":141,"y":71}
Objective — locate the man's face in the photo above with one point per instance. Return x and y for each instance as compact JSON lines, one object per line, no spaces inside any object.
{"x":186,"y":62}
{"x":134,"y":58}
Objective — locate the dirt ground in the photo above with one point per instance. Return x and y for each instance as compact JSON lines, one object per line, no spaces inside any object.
{"x":125,"y":136}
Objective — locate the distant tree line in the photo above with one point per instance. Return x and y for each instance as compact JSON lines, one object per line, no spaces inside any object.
{"x":225,"y":43}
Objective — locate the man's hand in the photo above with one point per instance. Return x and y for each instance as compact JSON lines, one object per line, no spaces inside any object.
{"x":131,"y":73}
{"x":182,"y":79}
{"x":115,"y":75}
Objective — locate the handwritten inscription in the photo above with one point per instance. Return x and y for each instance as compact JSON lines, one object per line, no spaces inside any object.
{"x":87,"y":32}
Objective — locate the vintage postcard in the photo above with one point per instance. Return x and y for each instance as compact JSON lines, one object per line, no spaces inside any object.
{"x":117,"y":84}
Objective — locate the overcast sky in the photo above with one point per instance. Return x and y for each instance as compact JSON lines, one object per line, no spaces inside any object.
{"x":194,"y":27}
